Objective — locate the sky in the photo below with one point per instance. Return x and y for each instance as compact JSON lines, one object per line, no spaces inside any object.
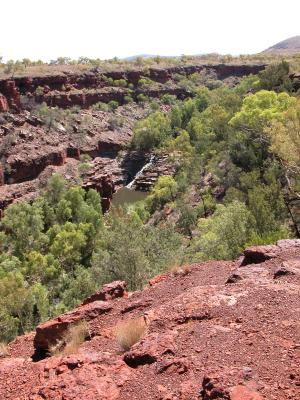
{"x":47,"y":29}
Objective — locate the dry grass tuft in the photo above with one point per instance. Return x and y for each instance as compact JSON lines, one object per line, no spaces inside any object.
{"x":129,"y":332}
{"x":3,"y":349}
{"x":180,"y":270}
{"x":71,"y":340}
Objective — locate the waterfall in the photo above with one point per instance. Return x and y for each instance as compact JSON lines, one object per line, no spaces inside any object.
{"x":130,"y":184}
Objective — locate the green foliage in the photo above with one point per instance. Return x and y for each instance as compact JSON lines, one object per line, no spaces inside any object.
{"x":264,"y":202}
{"x":168,"y":99}
{"x":276,"y":77}
{"x":182,"y":143}
{"x":142,"y":98}
{"x":260,"y":109}
{"x":129,"y":250}
{"x":128,"y":99}
{"x":101,"y":106}
{"x":188,"y":219}
{"x":45,"y":246}
{"x":23,"y":223}
{"x":145,"y":82}
{"x":151,"y":132}
{"x":115,"y":122}
{"x":113,"y":104}
{"x":39,"y":91}
{"x":163,"y":191}
{"x":12,"y":67}
{"x":120,"y":83}
{"x":285,"y":138}
{"x":224,"y":234}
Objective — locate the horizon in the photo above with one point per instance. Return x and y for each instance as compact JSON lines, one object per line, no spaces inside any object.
{"x":127,"y":29}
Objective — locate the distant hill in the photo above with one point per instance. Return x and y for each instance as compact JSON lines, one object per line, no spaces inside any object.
{"x":133,"y":58}
{"x":288,"y":46}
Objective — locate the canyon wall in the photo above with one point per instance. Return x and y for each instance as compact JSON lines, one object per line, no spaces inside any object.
{"x":30,"y":151}
{"x":65,"y":90}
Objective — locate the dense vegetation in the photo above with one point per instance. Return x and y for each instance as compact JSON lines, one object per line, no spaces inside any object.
{"x":237,"y":183}
{"x":59,"y":249}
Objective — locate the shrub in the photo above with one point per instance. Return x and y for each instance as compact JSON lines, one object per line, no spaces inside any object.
{"x":163,"y":191}
{"x":141,"y":98}
{"x":101,"y":106}
{"x":84,"y":168}
{"x":145,"y":82}
{"x":181,"y":270}
{"x":115,"y":122}
{"x":128,"y":99}
{"x":154,"y":105}
{"x":120,"y":83}
{"x":129,"y":332}
{"x":113,"y":104}
{"x":39,"y":91}
{"x":276,"y":77}
{"x":168,"y":99}
{"x":151,"y":132}
{"x":224,"y":234}
{"x":71,"y":340}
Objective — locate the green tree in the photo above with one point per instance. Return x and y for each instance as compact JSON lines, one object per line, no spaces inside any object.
{"x":151,"y":132}
{"x":24,"y":224}
{"x":285,"y":138}
{"x":131,"y":251}
{"x":163,"y":191}
{"x":182,"y":143}
{"x":260,"y":109}
{"x":68,"y":245}
{"x":224,"y":234}
{"x":276,"y":76}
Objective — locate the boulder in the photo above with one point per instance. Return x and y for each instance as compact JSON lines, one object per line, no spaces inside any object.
{"x":215,"y":387}
{"x":212,"y":388}
{"x":259,"y":254}
{"x":77,"y":377}
{"x":288,"y":268}
{"x":241,"y":392}
{"x":151,"y":349}
{"x":109,"y":291}
{"x":158,"y":278}
{"x":49,"y":332}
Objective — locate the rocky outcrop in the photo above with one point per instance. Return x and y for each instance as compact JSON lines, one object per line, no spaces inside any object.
{"x":21,"y":170}
{"x":216,"y":387}
{"x":31,"y":148}
{"x":83,"y":99}
{"x":155,"y":347}
{"x":109,"y":291}
{"x":65,"y":90}
{"x":160,"y":166}
{"x":11,"y":92}
{"x":50,"y":332}
{"x":205,"y":338}
{"x":4,"y":107}
{"x":30,"y":153}
{"x":259,"y":254}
